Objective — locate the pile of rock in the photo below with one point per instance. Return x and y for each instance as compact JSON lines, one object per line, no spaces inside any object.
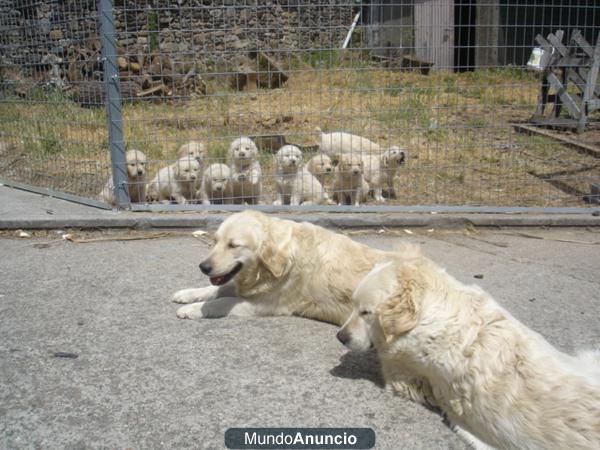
{"x":161,"y":43}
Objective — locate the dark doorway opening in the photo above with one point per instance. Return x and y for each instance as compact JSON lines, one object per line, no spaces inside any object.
{"x":465,"y":20}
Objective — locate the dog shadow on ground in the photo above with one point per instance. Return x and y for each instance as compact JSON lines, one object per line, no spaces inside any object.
{"x":360,"y":366}
{"x":366,"y":366}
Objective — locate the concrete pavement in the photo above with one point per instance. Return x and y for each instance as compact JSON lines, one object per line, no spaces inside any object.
{"x":144,"y":379}
{"x":25,"y":210}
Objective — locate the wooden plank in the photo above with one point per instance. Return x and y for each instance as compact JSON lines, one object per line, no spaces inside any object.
{"x":556,"y":42}
{"x":571,"y":61}
{"x":542,"y":42}
{"x":588,"y":93}
{"x":578,"y":38}
{"x":593,"y":104}
{"x":549,"y":55}
{"x":555,"y":122}
{"x":561,"y":90}
{"x":487,"y":33}
{"x":579,"y":146}
{"x":582,"y":76}
{"x":579,"y":80}
{"x":434,"y":32}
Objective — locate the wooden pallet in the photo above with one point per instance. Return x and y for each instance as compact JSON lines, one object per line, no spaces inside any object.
{"x":574,"y":66}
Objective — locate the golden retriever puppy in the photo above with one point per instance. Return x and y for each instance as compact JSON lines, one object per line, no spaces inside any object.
{"x":296,"y":185}
{"x":349,"y":185}
{"x":177,"y":182}
{"x":246,"y":172}
{"x":321,"y":167}
{"x":379,"y":171}
{"x":136,"y":179}
{"x":454,"y":346}
{"x":340,"y":142}
{"x":194,"y":150}
{"x":216,"y":185}
{"x":261,"y":265}
{"x":391,"y":160}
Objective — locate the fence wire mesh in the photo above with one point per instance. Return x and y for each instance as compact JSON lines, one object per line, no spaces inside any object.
{"x":430,"y":102}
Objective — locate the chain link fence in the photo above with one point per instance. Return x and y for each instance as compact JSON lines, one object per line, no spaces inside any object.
{"x":383,"y":104}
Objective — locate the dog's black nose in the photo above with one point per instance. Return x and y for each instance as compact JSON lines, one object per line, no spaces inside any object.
{"x":328,"y":169}
{"x":140,"y":172}
{"x":343,"y":337}
{"x":205,"y":267}
{"x":242,"y":154}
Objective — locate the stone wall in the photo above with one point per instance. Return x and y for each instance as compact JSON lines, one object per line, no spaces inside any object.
{"x":36,"y":34}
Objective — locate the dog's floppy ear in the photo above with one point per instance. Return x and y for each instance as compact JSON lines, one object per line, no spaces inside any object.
{"x":335,"y":159}
{"x":400,"y":314}
{"x":274,"y":251}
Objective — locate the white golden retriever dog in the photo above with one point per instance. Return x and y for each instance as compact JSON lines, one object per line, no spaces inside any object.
{"x":177,"y":182}
{"x":216,"y":185}
{"x":380,"y":169}
{"x":136,"y":179}
{"x":340,"y":142}
{"x":194,"y":150}
{"x":261,"y":265}
{"x":246,"y":172}
{"x":453,"y":346}
{"x":321,"y":167}
{"x":295,"y":184}
{"x":349,"y":185}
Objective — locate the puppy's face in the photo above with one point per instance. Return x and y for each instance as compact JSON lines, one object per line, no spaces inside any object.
{"x":350,"y":164}
{"x":289,"y":158}
{"x":321,"y":164}
{"x":246,"y":243}
{"x":193,"y":150}
{"x":218,"y":175}
{"x":243,"y":149}
{"x":136,"y":164}
{"x":386,"y":306}
{"x":187,"y":169}
{"x":394,"y":157}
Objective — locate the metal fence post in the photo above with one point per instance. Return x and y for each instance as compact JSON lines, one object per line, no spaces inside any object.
{"x":113,"y":103}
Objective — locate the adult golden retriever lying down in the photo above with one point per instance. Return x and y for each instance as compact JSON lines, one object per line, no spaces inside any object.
{"x":451,"y":345}
{"x":264,"y":266}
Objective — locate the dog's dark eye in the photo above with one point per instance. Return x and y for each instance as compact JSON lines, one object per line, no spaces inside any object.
{"x":364,"y":313}
{"x":232,"y":245}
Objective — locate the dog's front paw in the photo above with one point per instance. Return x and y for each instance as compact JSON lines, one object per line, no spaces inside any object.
{"x":189,"y":295}
{"x":193,"y":311}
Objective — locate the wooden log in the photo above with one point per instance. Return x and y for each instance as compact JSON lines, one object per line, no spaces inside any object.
{"x":561,"y":90}
{"x":411,"y":62}
{"x":269,"y":75}
{"x":122,"y":62}
{"x":579,"y":146}
{"x":93,"y":93}
{"x":162,"y":88}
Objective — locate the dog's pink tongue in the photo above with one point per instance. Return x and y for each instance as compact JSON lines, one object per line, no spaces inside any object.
{"x":216,"y":281}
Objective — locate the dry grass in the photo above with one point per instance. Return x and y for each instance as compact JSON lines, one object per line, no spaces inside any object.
{"x":456,"y":128}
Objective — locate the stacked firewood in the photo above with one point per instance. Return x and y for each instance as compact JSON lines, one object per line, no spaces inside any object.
{"x":141,"y":77}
